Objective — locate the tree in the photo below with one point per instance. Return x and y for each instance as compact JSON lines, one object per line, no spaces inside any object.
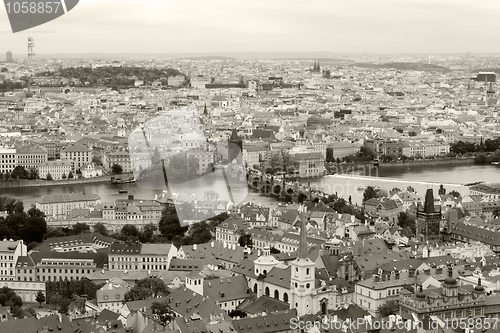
{"x":169,"y":225}
{"x":61,"y":303}
{"x":77,"y":304}
{"x":193,"y":165}
{"x":162,"y":312}
{"x":63,"y":176}
{"x":198,"y":233}
{"x":369,"y":193}
{"x":237,"y":313}
{"x":274,"y":250}
{"x":33,"y":174}
{"x":245,"y":239}
{"x":455,"y":194}
{"x":40,"y":297}
{"x":15,"y":301}
{"x":130,"y":230}
{"x":19,"y":172}
{"x":282,"y":161}
{"x":80,"y":228}
{"x":145,"y":288}
{"x":116,"y":169}
{"x":148,"y":233}
{"x":389,"y":308}
{"x":49,"y":176}
{"x":407,"y":221}
{"x":481,"y":159}
{"x":17,"y":311}
{"x":412,"y":133}
{"x":100,"y":228}
{"x":32,"y":312}
{"x":70,"y":175}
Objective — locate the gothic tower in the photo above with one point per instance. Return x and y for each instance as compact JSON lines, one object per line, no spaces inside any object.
{"x":235,"y":147}
{"x":428,"y":219}
{"x":302,"y":277}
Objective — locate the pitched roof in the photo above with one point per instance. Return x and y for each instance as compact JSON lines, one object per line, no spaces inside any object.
{"x":226,"y":289}
{"x":254,"y":305}
{"x":68,"y":197}
{"x":275,"y":322}
{"x":185,"y":302}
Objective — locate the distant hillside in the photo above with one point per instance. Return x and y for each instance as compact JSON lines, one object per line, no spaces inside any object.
{"x":493,"y":69}
{"x":207,"y":58}
{"x":404,"y":66}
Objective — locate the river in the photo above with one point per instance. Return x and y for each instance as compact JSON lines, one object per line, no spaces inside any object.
{"x":419,"y":177}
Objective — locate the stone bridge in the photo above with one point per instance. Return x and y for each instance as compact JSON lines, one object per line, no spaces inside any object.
{"x":287,"y":190}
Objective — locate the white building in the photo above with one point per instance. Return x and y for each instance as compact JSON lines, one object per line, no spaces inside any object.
{"x":10,"y":251}
{"x":56,"y":169}
{"x":7,"y":159}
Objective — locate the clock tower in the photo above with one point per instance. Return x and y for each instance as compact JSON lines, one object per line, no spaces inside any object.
{"x":302,"y":278}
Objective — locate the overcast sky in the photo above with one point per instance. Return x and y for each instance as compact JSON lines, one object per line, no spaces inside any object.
{"x":343,"y":26}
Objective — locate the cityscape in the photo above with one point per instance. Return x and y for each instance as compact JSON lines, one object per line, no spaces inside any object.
{"x":217,"y":192}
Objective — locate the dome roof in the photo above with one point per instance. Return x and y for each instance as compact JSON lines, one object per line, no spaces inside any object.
{"x":450,"y":280}
{"x":420,"y":294}
{"x":479,"y":288}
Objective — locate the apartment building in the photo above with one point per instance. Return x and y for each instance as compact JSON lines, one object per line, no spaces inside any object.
{"x":59,"y":266}
{"x":10,"y":251}
{"x":78,"y":155}
{"x":425,"y":149}
{"x":310,"y":164}
{"x":56,"y":169}
{"x":391,"y":279}
{"x":31,"y":157}
{"x":122,"y":158}
{"x":385,"y":147}
{"x":489,"y":193}
{"x":62,"y":204}
{"x":340,"y":149}
{"x":7,"y":159}
{"x":136,"y":211}
{"x":142,"y":257}
{"x":27,"y":291}
{"x":447,"y":301}
{"x":112,"y":294}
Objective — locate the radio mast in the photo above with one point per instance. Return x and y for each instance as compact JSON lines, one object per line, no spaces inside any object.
{"x":31,"y":46}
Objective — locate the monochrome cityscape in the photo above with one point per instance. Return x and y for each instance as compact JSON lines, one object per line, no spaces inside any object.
{"x":247,"y":192}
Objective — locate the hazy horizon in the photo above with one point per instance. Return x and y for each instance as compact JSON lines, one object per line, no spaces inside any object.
{"x":384,"y":27}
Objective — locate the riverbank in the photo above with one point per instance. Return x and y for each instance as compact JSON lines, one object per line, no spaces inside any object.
{"x":343,"y":168}
{"x":35,"y":183}
{"x":447,"y":161}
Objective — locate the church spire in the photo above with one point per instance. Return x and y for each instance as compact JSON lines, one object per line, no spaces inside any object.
{"x":303,"y":248}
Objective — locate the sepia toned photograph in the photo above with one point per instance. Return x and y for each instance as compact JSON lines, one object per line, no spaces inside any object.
{"x":276,"y":166}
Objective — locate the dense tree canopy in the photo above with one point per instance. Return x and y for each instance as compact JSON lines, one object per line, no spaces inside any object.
{"x":113,"y":76}
{"x":146,"y":288}
{"x":162,"y":312}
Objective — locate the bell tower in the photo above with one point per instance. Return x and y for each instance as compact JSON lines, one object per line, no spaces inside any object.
{"x":302,"y":277}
